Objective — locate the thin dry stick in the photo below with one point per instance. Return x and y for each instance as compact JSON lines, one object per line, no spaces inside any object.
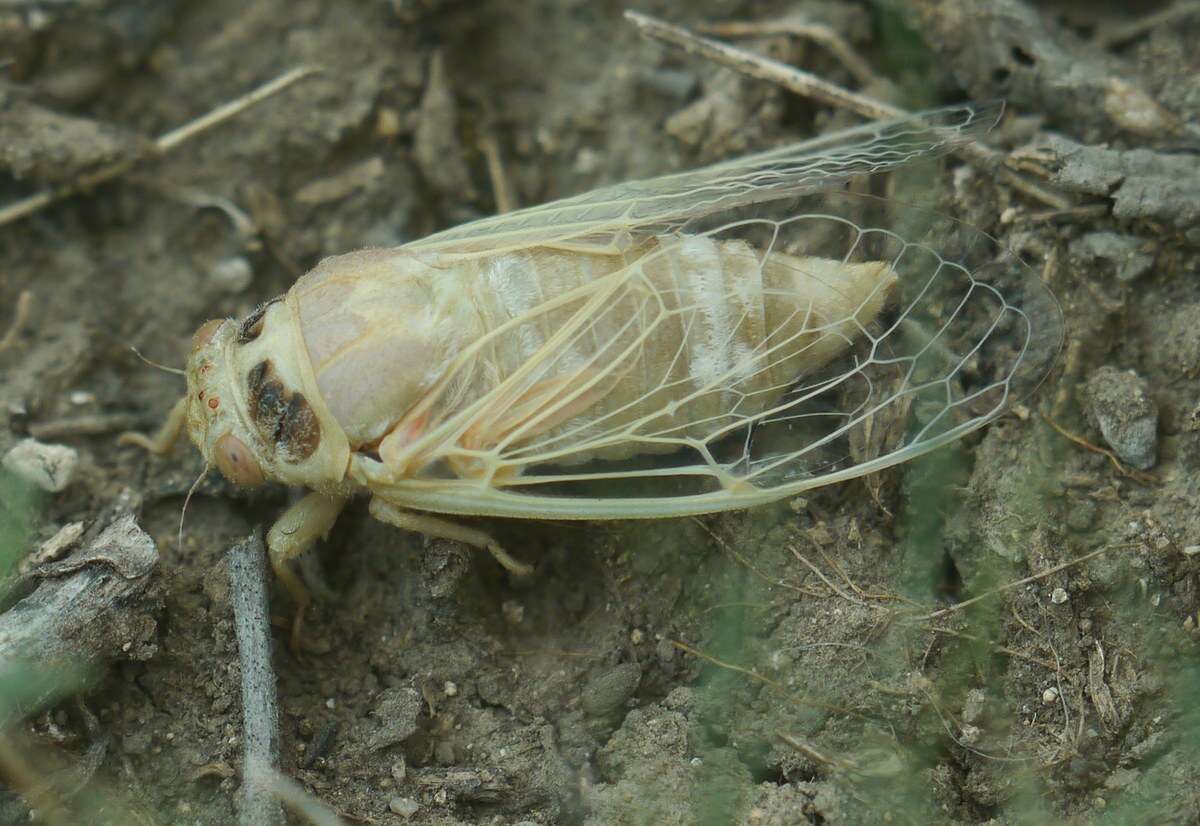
{"x":19,"y":775}
{"x":20,"y":317}
{"x":163,"y":144}
{"x":937,"y":709}
{"x":820,"y":34}
{"x":87,"y":425}
{"x":1008,"y":586}
{"x":1003,"y":649}
{"x":832,"y":563}
{"x":260,"y":711}
{"x":1132,"y":473}
{"x":1136,"y":28}
{"x":505,"y":200}
{"x":293,"y":796}
{"x":809,"y":85}
{"x":772,"y":582}
{"x":828,"y":583}
{"x":764,"y":68}
{"x":754,"y":675}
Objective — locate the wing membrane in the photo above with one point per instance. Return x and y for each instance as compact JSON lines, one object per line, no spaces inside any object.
{"x":657,"y":391}
{"x":606,"y":216}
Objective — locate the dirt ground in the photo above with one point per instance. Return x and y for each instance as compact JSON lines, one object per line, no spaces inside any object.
{"x":774,"y":666}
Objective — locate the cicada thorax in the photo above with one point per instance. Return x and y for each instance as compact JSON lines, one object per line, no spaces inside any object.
{"x":262,"y":377}
{"x":550,"y":347}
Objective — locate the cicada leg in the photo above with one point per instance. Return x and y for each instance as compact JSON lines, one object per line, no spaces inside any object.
{"x":162,"y":441}
{"x":385,"y":511}
{"x":292,"y":534}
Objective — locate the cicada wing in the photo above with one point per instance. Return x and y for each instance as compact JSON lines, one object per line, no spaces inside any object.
{"x":616,"y":216}
{"x":665,"y":392}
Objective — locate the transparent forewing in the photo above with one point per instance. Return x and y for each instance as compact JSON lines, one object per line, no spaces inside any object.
{"x":735,"y":361}
{"x":613,"y":216}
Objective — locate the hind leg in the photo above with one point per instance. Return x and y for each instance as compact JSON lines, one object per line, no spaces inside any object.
{"x":438,"y":528}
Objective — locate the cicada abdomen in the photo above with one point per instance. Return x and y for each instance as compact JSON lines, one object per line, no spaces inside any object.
{"x":606,"y":354}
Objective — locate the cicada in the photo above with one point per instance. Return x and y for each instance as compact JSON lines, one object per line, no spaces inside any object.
{"x":698,"y":342}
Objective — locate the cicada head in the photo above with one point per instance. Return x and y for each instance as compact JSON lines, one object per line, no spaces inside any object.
{"x":251,"y":411}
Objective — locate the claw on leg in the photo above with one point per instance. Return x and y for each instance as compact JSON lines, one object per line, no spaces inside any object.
{"x":384,"y":511}
{"x":292,"y":534}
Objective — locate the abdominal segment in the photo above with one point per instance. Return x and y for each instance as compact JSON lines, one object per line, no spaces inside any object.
{"x":669,"y":342}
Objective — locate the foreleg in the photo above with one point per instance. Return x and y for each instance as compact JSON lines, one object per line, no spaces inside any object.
{"x":294,"y":533}
{"x":161,"y":442}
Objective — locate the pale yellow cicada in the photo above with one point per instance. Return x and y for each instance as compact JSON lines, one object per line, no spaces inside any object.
{"x":693,"y":343}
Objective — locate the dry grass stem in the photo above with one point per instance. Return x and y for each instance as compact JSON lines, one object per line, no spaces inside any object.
{"x":260,"y":710}
{"x":162,"y":145}
{"x":1018,"y":583}
{"x":19,"y":319}
{"x":1132,"y":473}
{"x":816,"y":32}
{"x":811,"y":86}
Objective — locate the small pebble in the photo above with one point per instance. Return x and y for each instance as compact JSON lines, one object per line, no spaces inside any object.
{"x":1050,"y":696}
{"x":406,"y":807}
{"x":607,"y":692}
{"x":1059,"y":595}
{"x":1123,"y":252}
{"x":514,"y":611}
{"x":50,"y":467}
{"x":450,"y":689}
{"x":232,"y":275}
{"x":1119,"y":402}
{"x":388,"y":124}
{"x":1081,"y":515}
{"x":57,"y":546}
{"x":675,"y":83}
{"x":397,"y":711}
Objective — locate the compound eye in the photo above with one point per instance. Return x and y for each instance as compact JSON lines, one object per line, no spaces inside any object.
{"x":236,"y":462}
{"x":204,"y":335}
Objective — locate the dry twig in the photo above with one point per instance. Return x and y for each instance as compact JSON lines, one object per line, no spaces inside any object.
{"x":1132,"y":473}
{"x":162,"y":145}
{"x":88,"y":609}
{"x":1171,"y":15}
{"x":260,"y":710}
{"x":809,"y":85}
{"x":816,"y":32}
{"x":506,"y":201}
{"x":91,"y":424}
{"x":20,"y":317}
{"x":1008,"y":586}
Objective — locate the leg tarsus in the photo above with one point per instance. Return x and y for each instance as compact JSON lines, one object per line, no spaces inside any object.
{"x":161,"y":442}
{"x":439,"y":528}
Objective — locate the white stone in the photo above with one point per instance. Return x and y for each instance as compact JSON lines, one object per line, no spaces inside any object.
{"x":406,"y":807}
{"x":232,"y":275}
{"x":50,"y":467}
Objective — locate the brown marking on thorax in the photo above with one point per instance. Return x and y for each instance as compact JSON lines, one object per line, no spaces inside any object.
{"x":284,"y":419}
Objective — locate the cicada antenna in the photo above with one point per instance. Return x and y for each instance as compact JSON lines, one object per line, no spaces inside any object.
{"x":188,"y":498}
{"x":163,"y":367}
